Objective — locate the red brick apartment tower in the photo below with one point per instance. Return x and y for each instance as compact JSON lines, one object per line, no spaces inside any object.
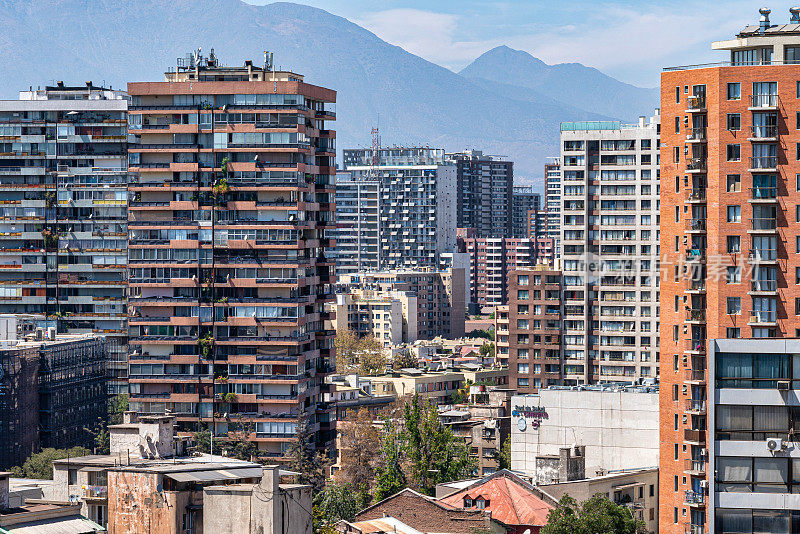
{"x":232,"y":202}
{"x":730,"y":210}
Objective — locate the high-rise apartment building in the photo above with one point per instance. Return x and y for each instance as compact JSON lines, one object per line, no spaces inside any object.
{"x":524,"y":201}
{"x":729,"y":218}
{"x":485,"y":188}
{"x":491,"y":259}
{"x":63,"y":179}
{"x":609,"y":250}
{"x":528,"y":329}
{"x":552,"y":201}
{"x":358,"y":237}
{"x":417,"y":198}
{"x":232,"y":202}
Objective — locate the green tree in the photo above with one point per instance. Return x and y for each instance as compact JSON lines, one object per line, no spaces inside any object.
{"x":404,"y":359}
{"x":363,"y":355}
{"x":434,"y":453}
{"x":338,"y":501}
{"x":202,"y":441}
{"x":40,"y":465}
{"x":487,"y":350}
{"x":390,"y":477}
{"x":305,"y":459}
{"x":503,"y":456}
{"x":597,"y":514}
{"x":117,"y":405}
{"x":359,"y":447}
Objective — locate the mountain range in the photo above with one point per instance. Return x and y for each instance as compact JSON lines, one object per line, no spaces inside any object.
{"x":506,"y":102}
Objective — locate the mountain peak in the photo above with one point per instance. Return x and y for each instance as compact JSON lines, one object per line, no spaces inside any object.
{"x":504,"y":54}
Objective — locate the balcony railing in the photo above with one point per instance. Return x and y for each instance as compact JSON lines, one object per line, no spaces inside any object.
{"x":696,"y":466}
{"x":698,"y":345}
{"x":763,"y":254}
{"x":695,"y":497}
{"x":764,"y":223}
{"x":696,"y":134}
{"x":697,"y":224}
{"x":694,"y":375}
{"x":764,"y":162}
{"x":696,"y":164}
{"x":697,"y":285}
{"x":764,"y":101}
{"x":764,"y":285}
{"x":697,"y":314}
{"x":697,"y":436}
{"x":759,"y":193}
{"x":693,"y":405}
{"x":697,"y":102}
{"x":697,"y":194}
{"x":763,"y":132}
{"x":763,"y":316}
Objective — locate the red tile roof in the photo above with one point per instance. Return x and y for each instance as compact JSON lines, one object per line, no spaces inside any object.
{"x":511,"y":500}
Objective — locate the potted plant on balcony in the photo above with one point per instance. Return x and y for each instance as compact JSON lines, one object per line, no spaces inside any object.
{"x":50,"y":236}
{"x":206,"y":346}
{"x":50,"y":199}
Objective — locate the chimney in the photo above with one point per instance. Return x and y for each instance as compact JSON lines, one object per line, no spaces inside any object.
{"x":795,"y":15}
{"x":270,"y":479}
{"x":129,"y":417}
{"x":763,"y":22}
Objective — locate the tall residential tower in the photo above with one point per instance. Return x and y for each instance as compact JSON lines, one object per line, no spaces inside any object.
{"x":232,"y":202}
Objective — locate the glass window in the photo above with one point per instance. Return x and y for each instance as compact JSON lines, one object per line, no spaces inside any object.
{"x":734,"y":152}
{"x":734,"y":305}
{"x":734,"y":213}
{"x":734,"y":121}
{"x":734,"y":183}
{"x":791,"y":54}
{"x":734,"y":91}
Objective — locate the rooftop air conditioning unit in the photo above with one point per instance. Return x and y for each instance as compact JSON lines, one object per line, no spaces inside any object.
{"x":783,"y":385}
{"x":775,"y":444}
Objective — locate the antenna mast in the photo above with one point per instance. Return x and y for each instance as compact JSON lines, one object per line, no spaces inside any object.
{"x":376,"y":148}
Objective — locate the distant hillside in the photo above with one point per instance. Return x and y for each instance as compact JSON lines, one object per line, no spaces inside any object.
{"x":571,"y":84}
{"x":415,"y":101}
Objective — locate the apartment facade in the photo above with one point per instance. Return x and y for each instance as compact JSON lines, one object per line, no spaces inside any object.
{"x":416,"y":204}
{"x":609,"y":250}
{"x":552,"y":201}
{"x":389,"y":316}
{"x":491,"y":260}
{"x":53,"y":393}
{"x":439,"y":297}
{"x":752,"y":412}
{"x":729,"y":226}
{"x":533,"y":329}
{"x":63,"y":220}
{"x":525,"y":200}
{"x":358,"y":233}
{"x":485,"y":185}
{"x":232,"y":205}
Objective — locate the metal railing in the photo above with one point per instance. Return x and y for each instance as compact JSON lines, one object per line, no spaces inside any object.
{"x":696,"y":134}
{"x":697,"y":224}
{"x":693,"y":405}
{"x":764,"y":223}
{"x":758,"y":193}
{"x":763,"y":254}
{"x":764,"y":132}
{"x":764,"y":101}
{"x":695,"y":497}
{"x":764,"y":285}
{"x":696,"y":164}
{"x":696,"y":102}
{"x":763,"y":316}
{"x":764,"y":162}
{"x":697,"y":194}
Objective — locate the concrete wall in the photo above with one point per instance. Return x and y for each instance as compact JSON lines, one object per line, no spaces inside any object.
{"x":618,"y":429}
{"x":135,"y":505}
{"x":147,"y":438}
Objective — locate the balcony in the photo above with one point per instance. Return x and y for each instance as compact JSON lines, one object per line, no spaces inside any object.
{"x":696,"y":529}
{"x":764,"y":194}
{"x":697,"y":407}
{"x":696,"y":165}
{"x":695,"y":255}
{"x":763,"y":317}
{"x":764,"y":224}
{"x":694,"y":376}
{"x":697,"y":286}
{"x":764,"y":163}
{"x":695,"y":346}
{"x":763,"y":286}
{"x":695,"y":467}
{"x":758,"y":255}
{"x":763,"y":102}
{"x":696,"y":195}
{"x":696,"y":134}
{"x":696,"y":104}
{"x":695,"y":498}
{"x":696,"y":315}
{"x":763,"y":133}
{"x":697,"y":225}
{"x":696,"y":436}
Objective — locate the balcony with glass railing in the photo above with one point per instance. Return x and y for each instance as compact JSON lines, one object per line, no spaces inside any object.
{"x":696,"y":104}
{"x":764,"y":286}
{"x":696,"y":134}
{"x":698,"y":314}
{"x":763,"y":255}
{"x":760,"y":163}
{"x":763,"y":133}
{"x":696,"y":165}
{"x":763,"y":194}
{"x":763,"y":317}
{"x":697,"y":224}
{"x":763,"y":101}
{"x":695,"y":467}
{"x":694,"y":406}
{"x":764,"y":224}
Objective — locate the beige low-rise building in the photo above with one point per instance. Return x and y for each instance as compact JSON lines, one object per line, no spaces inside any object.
{"x":390,"y":316}
{"x":438,"y":387}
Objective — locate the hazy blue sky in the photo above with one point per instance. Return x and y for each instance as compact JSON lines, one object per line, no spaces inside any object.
{"x":630,"y":40}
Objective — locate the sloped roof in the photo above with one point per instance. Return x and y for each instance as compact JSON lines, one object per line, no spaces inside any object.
{"x":511,"y":500}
